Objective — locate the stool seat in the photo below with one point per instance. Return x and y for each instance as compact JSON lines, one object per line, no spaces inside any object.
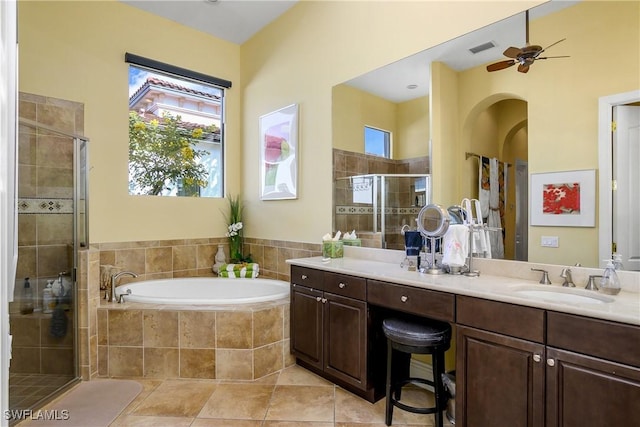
{"x":431,"y":333}
{"x":407,"y":335}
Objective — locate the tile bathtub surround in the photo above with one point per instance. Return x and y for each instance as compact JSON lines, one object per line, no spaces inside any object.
{"x":241,"y":343}
{"x":161,"y":259}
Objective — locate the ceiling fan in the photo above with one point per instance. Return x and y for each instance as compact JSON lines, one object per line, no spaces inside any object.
{"x":524,"y":56}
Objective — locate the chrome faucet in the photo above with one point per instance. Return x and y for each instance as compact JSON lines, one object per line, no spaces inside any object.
{"x":114,"y":278}
{"x":568,"y":280}
{"x":545,"y":276}
{"x":591,"y":284}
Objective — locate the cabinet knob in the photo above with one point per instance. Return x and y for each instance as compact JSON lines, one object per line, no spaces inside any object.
{"x":537,"y":358}
{"x":304,"y":277}
{"x":324,"y":300}
{"x":404,"y":298}
{"x":341,"y":285}
{"x":551,"y":362}
{"x":318,"y":299}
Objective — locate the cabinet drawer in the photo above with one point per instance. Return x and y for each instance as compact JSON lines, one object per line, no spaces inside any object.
{"x":601,"y":338}
{"x":423,"y":302}
{"x":348,"y":286}
{"x":307,"y":277}
{"x":508,"y":319}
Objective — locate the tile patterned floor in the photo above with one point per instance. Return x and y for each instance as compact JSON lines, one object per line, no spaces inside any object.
{"x":294,"y":397}
{"x":26,"y":390}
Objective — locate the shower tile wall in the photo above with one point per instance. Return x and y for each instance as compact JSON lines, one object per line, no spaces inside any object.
{"x":45,"y":230}
{"x":399,"y":196}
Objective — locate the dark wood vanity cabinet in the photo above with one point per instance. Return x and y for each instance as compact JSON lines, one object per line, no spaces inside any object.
{"x":592,"y":372}
{"x":523,"y":366}
{"x":499,"y":364}
{"x":329,"y":326}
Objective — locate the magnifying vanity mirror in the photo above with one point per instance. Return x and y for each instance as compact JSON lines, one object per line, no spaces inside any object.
{"x":433,"y":223}
{"x":545,"y":120}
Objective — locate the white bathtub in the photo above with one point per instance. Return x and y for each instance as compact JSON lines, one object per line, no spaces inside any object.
{"x":204,"y":290}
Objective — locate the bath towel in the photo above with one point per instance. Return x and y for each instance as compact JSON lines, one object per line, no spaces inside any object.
{"x":362,"y":189}
{"x":244,"y":270}
{"x":456,"y":245}
{"x":106,"y":271}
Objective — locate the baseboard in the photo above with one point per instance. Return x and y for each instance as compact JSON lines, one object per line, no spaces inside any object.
{"x":420,"y":369}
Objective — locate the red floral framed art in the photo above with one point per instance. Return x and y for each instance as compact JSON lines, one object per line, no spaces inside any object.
{"x":563,"y":199}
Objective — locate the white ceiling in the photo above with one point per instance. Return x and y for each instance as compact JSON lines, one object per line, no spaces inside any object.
{"x":232,"y":20}
{"x":238,"y":20}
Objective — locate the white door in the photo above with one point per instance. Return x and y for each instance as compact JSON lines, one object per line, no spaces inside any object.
{"x":626,"y":193}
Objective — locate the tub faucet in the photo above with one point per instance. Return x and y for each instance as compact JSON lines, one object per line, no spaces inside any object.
{"x":114,"y":278}
{"x":566,"y":275}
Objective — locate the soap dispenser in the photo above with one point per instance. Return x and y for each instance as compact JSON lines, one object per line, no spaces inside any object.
{"x":609,"y":283}
{"x":26,"y":306}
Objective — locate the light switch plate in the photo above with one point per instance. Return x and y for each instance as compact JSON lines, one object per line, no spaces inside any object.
{"x":549,"y":241}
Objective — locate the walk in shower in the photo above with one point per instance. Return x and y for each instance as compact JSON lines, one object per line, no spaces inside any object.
{"x":52,"y":228}
{"x":378,"y":206}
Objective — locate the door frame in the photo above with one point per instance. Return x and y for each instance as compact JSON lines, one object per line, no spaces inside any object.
{"x":605,"y":153}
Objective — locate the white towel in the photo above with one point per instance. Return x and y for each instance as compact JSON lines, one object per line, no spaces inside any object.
{"x":362,"y":189}
{"x":456,"y":245}
{"x":497,"y":247}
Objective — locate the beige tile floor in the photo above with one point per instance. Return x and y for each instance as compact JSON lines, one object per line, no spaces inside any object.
{"x":293,"y":397}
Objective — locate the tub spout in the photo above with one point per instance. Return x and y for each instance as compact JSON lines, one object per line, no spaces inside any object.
{"x":114,"y":278}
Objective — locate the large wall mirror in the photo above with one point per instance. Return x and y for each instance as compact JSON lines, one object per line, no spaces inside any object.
{"x":447,"y":107}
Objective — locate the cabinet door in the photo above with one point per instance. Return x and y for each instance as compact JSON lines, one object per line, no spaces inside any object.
{"x":499,"y":380}
{"x":585,"y":391}
{"x":345,"y":339}
{"x":306,"y":324}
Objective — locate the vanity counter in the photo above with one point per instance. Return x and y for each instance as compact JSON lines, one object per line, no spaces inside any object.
{"x":624,"y":307}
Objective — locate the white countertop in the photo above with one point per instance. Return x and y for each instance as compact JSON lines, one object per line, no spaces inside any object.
{"x":624,"y":307}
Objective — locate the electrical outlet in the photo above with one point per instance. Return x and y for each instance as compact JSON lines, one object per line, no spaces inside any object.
{"x":549,"y":241}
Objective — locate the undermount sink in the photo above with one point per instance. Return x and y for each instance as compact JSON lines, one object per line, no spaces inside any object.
{"x":562,"y":295}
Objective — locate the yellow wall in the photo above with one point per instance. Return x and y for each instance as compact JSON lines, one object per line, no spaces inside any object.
{"x":75,"y":51}
{"x":300,"y":57}
{"x":413,"y":129}
{"x":354,"y":109}
{"x":603,"y":41}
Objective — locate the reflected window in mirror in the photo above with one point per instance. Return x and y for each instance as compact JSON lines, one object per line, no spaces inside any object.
{"x":175,"y":131}
{"x":377,"y":142}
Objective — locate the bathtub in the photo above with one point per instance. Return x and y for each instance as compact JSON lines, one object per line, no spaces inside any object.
{"x":204,"y":290}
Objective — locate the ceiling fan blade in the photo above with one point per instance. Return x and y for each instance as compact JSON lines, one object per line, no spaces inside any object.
{"x":552,"y":44}
{"x":552,"y":57}
{"x":501,"y":65}
{"x":523,"y":68}
{"x":512,"y":52}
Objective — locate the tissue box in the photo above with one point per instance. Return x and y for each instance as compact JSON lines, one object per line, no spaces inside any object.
{"x":332,"y":249}
{"x":352,"y":242}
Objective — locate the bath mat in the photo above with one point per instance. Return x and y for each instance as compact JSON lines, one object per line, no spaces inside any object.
{"x":91,"y":404}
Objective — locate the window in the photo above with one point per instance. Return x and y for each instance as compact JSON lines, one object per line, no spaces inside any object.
{"x":377,"y":142}
{"x":176,"y":125}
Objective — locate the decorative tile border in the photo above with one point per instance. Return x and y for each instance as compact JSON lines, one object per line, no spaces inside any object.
{"x":365,"y":210}
{"x":45,"y":206}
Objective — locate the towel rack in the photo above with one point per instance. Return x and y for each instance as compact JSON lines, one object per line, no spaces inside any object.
{"x":468,"y":154}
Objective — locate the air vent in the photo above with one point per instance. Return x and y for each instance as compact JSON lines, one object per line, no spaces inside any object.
{"x":482,"y":47}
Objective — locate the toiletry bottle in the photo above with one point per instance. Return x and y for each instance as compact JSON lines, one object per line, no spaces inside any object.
{"x":609,"y":283}
{"x":26,"y":306}
{"x":48,"y":302}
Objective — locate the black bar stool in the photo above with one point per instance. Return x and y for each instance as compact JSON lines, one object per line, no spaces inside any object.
{"x":418,"y":336}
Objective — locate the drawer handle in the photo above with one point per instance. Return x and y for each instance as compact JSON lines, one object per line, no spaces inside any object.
{"x":304,"y":277}
{"x":551,"y":362}
{"x":341,"y":285}
{"x":324,"y":300}
{"x":404,"y":298}
{"x":318,"y":299}
{"x":537,"y":358}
